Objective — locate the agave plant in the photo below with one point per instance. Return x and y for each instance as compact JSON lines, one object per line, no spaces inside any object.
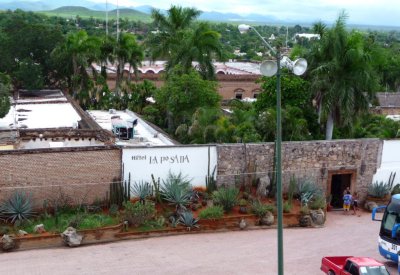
{"x":177,"y":191}
{"x":142,"y":190}
{"x":379,"y":189}
{"x":18,"y":208}
{"x":186,"y":219}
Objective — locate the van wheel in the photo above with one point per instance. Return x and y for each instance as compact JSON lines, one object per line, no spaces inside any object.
{"x":330,"y":272}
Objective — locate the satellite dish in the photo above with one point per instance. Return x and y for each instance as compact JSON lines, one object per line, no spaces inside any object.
{"x":299,"y":66}
{"x":268,"y":68}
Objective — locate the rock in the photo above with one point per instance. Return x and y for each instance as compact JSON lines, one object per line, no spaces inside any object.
{"x":22,"y":233}
{"x":242,"y":224}
{"x":370,"y":205}
{"x":263,"y":184}
{"x":305,"y":221}
{"x":268,"y":219}
{"x":39,"y":228}
{"x":317,"y":217}
{"x":7,"y":243}
{"x":71,"y":237}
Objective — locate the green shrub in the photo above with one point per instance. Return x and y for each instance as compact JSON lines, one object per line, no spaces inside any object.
{"x":138,"y":213}
{"x":287,"y":206}
{"x":318,"y":202}
{"x":307,"y":190}
{"x":304,"y":210}
{"x":226,"y":197}
{"x":113,"y":210}
{"x":379,"y":189}
{"x":18,"y":208}
{"x":242,"y":202}
{"x":260,"y":209}
{"x":212,"y":212}
{"x":291,"y":189}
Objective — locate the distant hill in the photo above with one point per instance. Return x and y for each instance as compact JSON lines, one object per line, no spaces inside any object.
{"x":73,"y":11}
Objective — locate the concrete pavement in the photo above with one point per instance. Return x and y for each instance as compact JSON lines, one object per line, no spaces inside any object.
{"x":239,"y":252}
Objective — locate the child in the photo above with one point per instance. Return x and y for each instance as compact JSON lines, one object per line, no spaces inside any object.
{"x":354,"y":203}
{"x":346,"y":202}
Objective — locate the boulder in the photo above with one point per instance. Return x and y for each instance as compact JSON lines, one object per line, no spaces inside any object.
{"x":263,"y":184}
{"x":268,"y":219}
{"x":71,"y":237}
{"x":7,"y":243}
{"x":370,"y":205}
{"x":317,"y":217}
{"x":305,"y":221}
{"x":22,"y":233}
{"x":242,"y":224}
{"x":39,"y":228}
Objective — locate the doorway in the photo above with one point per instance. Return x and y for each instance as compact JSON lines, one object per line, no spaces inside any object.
{"x":339,"y":183}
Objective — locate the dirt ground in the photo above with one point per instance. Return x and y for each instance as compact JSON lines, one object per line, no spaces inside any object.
{"x":239,"y":252}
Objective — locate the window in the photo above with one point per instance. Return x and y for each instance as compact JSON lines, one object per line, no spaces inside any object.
{"x":239,"y":93}
{"x":354,"y":270}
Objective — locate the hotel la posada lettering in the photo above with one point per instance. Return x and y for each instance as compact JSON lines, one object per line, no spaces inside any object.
{"x":163,"y":159}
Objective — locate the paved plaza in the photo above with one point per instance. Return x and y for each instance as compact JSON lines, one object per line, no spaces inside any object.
{"x":239,"y":252}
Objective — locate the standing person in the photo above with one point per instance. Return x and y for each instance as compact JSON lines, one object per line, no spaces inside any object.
{"x":354,"y":203}
{"x":346,"y":202}
{"x":346,"y":190}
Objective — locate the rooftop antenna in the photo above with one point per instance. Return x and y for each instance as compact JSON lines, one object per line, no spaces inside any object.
{"x":117,"y":21}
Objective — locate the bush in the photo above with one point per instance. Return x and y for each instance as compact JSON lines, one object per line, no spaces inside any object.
{"x":226,"y":197}
{"x":212,"y":212}
{"x":318,"y":202}
{"x":287,"y":207}
{"x":137,"y":213}
{"x":379,"y":189}
{"x":260,"y":209}
{"x":307,"y":190}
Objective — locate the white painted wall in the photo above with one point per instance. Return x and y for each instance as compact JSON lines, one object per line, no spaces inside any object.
{"x":191,"y":161}
{"x":390,"y":162}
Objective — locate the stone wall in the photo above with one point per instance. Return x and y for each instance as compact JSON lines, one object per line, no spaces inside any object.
{"x":314,"y":160}
{"x":74,"y":174}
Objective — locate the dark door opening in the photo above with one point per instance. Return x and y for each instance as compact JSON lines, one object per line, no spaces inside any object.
{"x":339,"y":183}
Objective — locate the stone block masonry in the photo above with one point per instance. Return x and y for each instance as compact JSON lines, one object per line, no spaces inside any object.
{"x":314,"y":160}
{"x":75,"y":174}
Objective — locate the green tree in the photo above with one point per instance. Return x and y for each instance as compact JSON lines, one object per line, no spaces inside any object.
{"x":343,"y":78}
{"x":183,"y":93}
{"x":4,"y":94}
{"x":127,"y":51}
{"x":181,"y":42}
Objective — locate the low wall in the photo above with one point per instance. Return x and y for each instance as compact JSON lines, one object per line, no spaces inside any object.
{"x":70,"y":175}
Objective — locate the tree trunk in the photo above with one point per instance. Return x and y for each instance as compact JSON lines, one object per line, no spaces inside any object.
{"x":329,"y":126}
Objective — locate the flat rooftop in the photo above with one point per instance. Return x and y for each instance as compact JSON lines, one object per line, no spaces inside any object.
{"x":145,"y":134}
{"x":37,"y":110}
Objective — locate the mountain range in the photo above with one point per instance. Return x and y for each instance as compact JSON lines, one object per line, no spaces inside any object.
{"x":50,"y":5}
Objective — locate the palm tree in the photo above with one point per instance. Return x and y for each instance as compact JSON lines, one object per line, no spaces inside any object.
{"x":171,"y":29}
{"x":127,"y":51}
{"x":180,"y":43}
{"x":198,"y":45}
{"x":343,"y":77}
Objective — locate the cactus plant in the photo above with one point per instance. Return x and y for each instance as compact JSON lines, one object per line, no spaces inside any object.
{"x":186,"y":219}
{"x":18,"y":207}
{"x":142,"y":190}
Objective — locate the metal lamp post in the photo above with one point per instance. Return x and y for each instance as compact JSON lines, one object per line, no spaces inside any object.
{"x":269,"y":68}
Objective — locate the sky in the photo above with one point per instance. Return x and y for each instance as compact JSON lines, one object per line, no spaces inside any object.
{"x":367,"y":12}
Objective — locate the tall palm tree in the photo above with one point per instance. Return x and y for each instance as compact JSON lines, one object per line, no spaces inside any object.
{"x":199,"y":44}
{"x":127,"y":51}
{"x":179,"y":42}
{"x":170,"y":29}
{"x":343,"y":76}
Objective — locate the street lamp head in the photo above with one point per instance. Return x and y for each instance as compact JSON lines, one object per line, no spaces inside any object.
{"x":243,"y":28}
